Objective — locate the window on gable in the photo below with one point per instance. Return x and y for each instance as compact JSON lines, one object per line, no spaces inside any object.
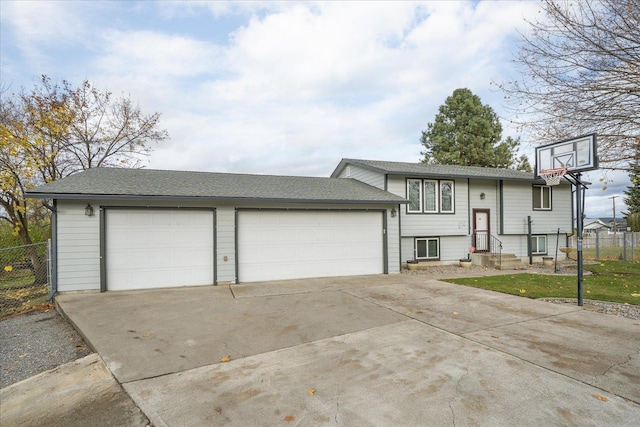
{"x":430,"y":196}
{"x":427,"y":248}
{"x":541,"y":197}
{"x":414,"y":194}
{"x":538,"y":245}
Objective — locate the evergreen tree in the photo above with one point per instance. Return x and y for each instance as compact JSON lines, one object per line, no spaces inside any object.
{"x":466,"y":132}
{"x":633,"y":194}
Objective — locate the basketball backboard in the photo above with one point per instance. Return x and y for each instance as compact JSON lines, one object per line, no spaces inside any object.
{"x":576,"y":154}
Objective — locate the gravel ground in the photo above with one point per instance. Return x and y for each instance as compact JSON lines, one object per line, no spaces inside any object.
{"x":36,"y":342}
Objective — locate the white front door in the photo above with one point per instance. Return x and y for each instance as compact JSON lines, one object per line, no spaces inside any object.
{"x":481,"y":230}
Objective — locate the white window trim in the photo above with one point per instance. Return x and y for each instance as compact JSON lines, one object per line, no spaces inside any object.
{"x":420,"y":197}
{"x":538,"y":252}
{"x":453,"y":196}
{"x":542,"y":208}
{"x":437,"y":195}
{"x":415,"y":247}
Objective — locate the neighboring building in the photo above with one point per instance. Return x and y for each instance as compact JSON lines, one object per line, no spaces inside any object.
{"x":116,"y":229}
{"x":454,"y":207}
{"x":619,"y":225}
{"x":593,"y":226}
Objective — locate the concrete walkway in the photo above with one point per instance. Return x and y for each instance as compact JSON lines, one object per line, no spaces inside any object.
{"x":367,"y":351}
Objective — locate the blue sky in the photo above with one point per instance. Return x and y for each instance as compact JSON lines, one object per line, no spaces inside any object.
{"x":285,"y":88}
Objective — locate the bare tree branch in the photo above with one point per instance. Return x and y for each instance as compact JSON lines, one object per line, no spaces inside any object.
{"x":580,"y":73}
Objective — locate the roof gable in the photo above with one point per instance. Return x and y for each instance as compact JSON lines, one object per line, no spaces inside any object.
{"x":103,"y":183}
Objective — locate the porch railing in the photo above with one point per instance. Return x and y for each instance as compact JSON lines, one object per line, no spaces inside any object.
{"x":496,"y":248}
{"x":487,"y":243}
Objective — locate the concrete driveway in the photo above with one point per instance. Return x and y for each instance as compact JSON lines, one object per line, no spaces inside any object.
{"x":388,"y":350}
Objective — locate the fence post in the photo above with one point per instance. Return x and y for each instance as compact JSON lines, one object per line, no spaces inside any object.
{"x":597,"y":245}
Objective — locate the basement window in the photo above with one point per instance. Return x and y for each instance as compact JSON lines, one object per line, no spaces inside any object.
{"x":427,"y":248}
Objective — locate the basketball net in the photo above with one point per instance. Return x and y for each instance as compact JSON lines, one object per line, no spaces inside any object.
{"x":553,"y":176}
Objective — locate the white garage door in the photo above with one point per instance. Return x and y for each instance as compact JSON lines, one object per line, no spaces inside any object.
{"x":158,"y":248}
{"x":275,"y":245}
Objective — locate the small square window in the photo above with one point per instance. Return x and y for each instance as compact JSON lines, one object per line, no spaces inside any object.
{"x":541,"y":197}
{"x":427,"y":248}
{"x":538,"y":245}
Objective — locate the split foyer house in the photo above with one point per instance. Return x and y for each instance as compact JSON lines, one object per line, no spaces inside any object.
{"x":116,"y":229}
{"x":453,"y":208}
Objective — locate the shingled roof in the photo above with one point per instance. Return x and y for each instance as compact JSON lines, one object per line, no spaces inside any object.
{"x":445,"y":171}
{"x":114,"y":183}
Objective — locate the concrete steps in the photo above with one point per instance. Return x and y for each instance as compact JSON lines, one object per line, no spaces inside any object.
{"x":506,"y":262}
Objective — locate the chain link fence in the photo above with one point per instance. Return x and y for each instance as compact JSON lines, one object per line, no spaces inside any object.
{"x":622,"y":246}
{"x":24,"y":277}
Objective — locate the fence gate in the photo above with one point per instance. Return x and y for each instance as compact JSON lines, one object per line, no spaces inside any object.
{"x":24,"y":277}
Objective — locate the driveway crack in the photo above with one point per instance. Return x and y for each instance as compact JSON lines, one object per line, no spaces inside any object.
{"x":455,"y":396}
{"x":615,"y":365}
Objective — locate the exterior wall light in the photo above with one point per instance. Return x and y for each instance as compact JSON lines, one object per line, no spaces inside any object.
{"x":393,"y":212}
{"x":482,"y":196}
{"x":88,"y":211}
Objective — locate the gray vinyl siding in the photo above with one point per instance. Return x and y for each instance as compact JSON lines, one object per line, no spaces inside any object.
{"x":375,"y":179}
{"x":79,"y":238}
{"x":518,"y":204}
{"x":78,"y":247}
{"x":433,"y":224}
{"x":393,"y":242}
{"x":452,"y":248}
{"x":226,"y":244}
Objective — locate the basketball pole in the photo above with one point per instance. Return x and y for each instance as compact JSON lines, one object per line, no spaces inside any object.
{"x":579,"y":230}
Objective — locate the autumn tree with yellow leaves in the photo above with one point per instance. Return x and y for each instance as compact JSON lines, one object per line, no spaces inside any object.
{"x":55,"y":130}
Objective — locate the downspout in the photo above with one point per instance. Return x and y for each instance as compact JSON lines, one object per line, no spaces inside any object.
{"x":54,"y":248}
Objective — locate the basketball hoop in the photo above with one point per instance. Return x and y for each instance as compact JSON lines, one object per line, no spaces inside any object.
{"x":553,"y":176}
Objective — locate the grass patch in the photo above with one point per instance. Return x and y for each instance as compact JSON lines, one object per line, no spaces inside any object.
{"x":614,"y":281}
{"x":607,"y":253}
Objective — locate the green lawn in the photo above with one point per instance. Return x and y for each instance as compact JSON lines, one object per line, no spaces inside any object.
{"x":615,"y":281}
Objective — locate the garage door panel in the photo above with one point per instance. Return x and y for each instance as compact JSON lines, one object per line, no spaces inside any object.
{"x":158,"y":248}
{"x":276,"y":245}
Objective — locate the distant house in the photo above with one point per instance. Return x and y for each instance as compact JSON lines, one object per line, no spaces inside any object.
{"x":619,"y":225}
{"x":119,"y":229}
{"x":594,"y":225}
{"x":452,"y":208}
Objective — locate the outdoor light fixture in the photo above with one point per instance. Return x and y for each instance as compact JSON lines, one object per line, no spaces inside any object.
{"x":88,"y":211}
{"x":482,"y":196}
{"x":393,"y":212}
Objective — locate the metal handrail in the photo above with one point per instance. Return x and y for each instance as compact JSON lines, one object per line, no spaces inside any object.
{"x":495,"y":244}
{"x":496,"y":248}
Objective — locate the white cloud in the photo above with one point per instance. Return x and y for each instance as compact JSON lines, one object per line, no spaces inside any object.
{"x":156,"y":56}
{"x":38,"y":26}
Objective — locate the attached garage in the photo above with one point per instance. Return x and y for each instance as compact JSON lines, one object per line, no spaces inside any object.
{"x":120,"y":229}
{"x":158,"y":248}
{"x":296,"y":244}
